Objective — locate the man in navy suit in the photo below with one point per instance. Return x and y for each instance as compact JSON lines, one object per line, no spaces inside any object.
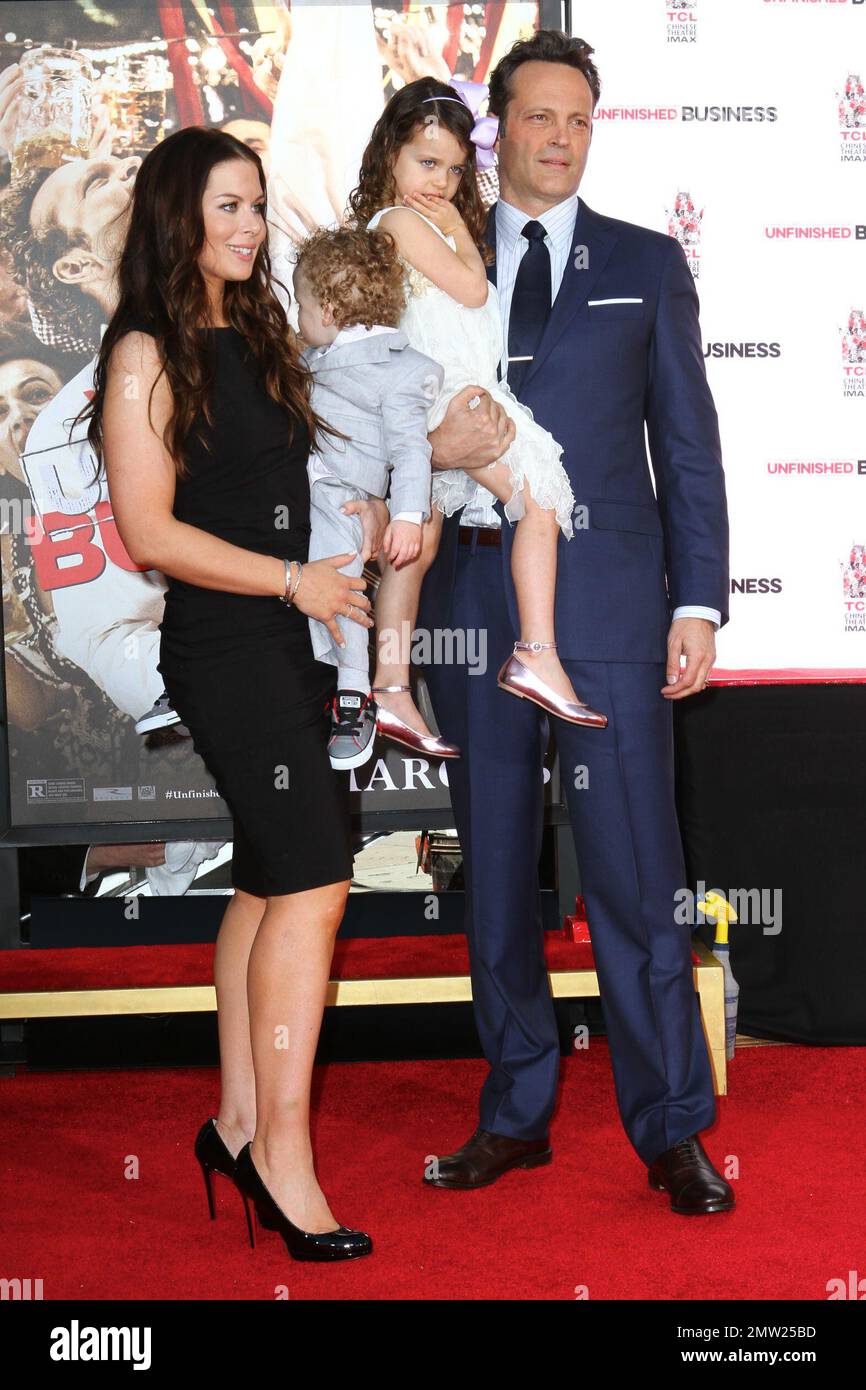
{"x":642,"y":584}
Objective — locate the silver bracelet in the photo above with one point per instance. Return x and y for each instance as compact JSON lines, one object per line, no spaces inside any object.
{"x":291,"y":585}
{"x":287,"y":597}
{"x":297,"y":581}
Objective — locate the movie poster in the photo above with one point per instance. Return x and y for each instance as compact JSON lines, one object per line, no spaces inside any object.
{"x":86,"y":89}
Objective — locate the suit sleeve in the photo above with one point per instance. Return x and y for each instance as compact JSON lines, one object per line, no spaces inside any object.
{"x":683,"y":433}
{"x":51,"y":871}
{"x":408,"y":451}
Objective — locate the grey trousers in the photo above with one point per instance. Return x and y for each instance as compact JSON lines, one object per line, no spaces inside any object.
{"x":332,"y":532}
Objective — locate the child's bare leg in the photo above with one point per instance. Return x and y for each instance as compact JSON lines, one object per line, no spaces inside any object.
{"x":396,"y":610}
{"x":533,"y":569}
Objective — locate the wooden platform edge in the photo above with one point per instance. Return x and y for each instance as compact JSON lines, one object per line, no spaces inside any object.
{"x":430,"y":989}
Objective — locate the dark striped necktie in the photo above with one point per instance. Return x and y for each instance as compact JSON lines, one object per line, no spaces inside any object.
{"x":530,"y":304}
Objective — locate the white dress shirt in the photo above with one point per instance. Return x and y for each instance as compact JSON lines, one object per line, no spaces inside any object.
{"x":315,"y":467}
{"x":558,"y":222}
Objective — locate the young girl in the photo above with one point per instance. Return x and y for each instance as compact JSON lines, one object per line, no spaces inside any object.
{"x":417,"y":182}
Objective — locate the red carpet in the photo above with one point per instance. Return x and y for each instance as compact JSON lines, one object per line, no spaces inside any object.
{"x":356,"y":958}
{"x":794,"y":1120}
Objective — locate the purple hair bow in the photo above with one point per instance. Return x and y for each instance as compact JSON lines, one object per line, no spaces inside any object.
{"x":486,"y":128}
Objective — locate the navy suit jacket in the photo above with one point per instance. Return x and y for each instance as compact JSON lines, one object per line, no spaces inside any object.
{"x":605,"y":377}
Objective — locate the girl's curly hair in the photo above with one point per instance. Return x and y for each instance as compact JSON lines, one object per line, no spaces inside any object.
{"x":409,"y":111}
{"x":357,"y":272}
{"x":159,"y":280}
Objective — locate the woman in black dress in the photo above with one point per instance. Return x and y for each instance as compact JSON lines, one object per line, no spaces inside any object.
{"x":201,"y":412}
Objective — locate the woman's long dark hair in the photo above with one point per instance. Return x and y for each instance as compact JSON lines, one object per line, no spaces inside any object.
{"x":409,"y":109}
{"x":159,"y":280}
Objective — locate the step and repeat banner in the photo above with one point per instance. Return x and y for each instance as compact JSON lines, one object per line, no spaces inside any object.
{"x":739,"y":127}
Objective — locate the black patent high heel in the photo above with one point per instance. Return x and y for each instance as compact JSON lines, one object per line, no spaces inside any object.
{"x":215,"y":1157}
{"x":340,"y":1244}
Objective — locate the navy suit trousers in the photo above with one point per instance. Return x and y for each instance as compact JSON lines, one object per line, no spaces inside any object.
{"x":619,"y":784}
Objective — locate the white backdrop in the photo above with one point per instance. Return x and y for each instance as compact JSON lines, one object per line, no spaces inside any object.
{"x":794,"y":441}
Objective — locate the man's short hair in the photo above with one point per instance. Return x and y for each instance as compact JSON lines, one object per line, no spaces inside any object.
{"x":545,"y":46}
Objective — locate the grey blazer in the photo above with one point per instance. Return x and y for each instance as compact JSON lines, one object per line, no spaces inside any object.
{"x":378,"y":390}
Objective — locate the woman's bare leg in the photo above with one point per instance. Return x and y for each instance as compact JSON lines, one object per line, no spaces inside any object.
{"x":533,"y":569}
{"x":236,"y":1120}
{"x":287,"y":977}
{"x":396,"y":610}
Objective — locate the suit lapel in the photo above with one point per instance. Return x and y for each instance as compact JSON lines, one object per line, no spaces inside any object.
{"x":490,"y":238}
{"x":577,"y":285}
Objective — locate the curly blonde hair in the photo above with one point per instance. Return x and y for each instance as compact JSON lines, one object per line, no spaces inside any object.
{"x":359,"y":273}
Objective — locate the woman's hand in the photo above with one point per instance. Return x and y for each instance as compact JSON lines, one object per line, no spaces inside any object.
{"x":268,"y":54}
{"x":375,"y":517}
{"x":11,"y":90}
{"x":409,"y":49}
{"x":282,"y":200}
{"x":324,"y":592}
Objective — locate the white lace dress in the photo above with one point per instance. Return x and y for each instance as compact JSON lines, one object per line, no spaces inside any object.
{"x":467,"y":342}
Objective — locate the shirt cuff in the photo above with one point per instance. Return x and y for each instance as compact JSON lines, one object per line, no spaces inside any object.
{"x":85,"y":876}
{"x":694,"y":611}
{"x":415,"y":517}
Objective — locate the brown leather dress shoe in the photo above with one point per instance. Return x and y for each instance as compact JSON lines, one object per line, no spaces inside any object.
{"x":688,"y":1175}
{"x":485,"y":1157}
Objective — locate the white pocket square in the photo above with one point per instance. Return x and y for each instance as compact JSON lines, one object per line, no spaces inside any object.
{"x":593,"y":302}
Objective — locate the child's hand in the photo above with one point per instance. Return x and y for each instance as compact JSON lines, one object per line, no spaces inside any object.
{"x":402,"y":543}
{"x":445,"y":215}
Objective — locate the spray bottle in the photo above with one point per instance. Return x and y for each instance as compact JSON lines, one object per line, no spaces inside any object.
{"x":718,"y":909}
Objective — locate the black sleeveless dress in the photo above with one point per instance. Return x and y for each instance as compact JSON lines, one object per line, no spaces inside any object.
{"x":239,"y":669}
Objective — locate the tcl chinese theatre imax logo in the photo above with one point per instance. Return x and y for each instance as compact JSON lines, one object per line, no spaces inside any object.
{"x":682,"y":21}
{"x":852,"y":120}
{"x":854,"y":354}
